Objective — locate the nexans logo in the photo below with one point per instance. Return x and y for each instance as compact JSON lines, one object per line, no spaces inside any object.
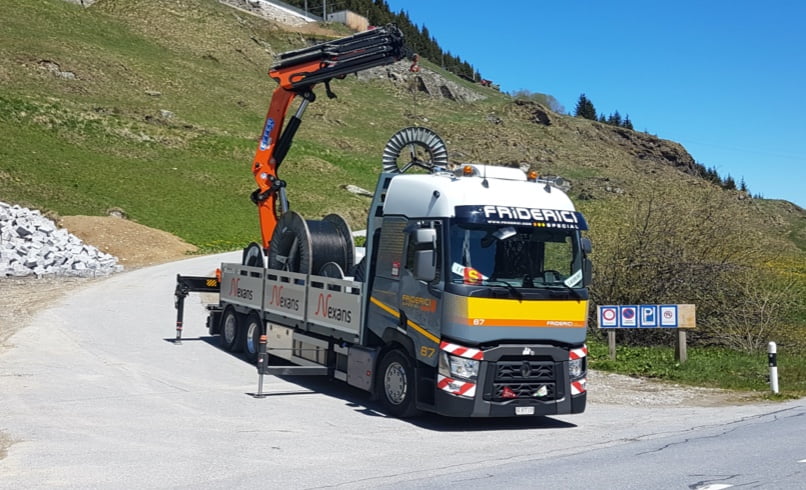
{"x":325,"y":310}
{"x":280,"y":300}
{"x":238,"y":292}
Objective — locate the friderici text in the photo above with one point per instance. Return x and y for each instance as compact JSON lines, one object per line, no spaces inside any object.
{"x":507,"y":213}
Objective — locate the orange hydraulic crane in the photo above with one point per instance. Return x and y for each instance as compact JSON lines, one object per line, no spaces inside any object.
{"x":297,"y":72}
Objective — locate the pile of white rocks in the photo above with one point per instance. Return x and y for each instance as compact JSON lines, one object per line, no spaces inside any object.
{"x":32,"y":245}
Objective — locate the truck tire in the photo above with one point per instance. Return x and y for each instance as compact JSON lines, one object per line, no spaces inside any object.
{"x":250,"y":336}
{"x":396,"y":384}
{"x":230,"y":330}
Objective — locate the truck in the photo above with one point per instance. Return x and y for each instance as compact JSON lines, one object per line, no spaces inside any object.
{"x":468,"y":299}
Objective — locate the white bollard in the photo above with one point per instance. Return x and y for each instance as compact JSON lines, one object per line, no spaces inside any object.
{"x":772,"y":356}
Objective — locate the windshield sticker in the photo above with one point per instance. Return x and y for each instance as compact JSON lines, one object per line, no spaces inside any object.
{"x":469,"y":274}
{"x":518,"y":216}
{"x":574,"y":280}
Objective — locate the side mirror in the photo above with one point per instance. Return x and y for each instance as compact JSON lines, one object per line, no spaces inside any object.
{"x":424,"y":236}
{"x":425,"y":267}
{"x":585,"y":242}
{"x":587,"y":272}
{"x":425,"y":264}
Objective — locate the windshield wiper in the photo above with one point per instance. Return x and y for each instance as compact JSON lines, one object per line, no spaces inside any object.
{"x":512,"y":289}
{"x":563,"y":285}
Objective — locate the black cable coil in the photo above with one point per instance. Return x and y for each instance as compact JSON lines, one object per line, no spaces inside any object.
{"x":323,"y":247}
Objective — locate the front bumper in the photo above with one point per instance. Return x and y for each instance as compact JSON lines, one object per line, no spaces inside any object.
{"x":517,"y":380}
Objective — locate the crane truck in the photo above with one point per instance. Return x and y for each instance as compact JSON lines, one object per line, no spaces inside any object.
{"x":470,"y":298}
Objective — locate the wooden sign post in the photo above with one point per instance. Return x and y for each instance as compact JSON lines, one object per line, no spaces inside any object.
{"x":639,"y":317}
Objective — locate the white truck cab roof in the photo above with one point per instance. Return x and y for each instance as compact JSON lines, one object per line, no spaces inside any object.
{"x":438,"y":194}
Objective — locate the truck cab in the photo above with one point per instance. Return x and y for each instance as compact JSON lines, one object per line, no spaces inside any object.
{"x":479,"y":275}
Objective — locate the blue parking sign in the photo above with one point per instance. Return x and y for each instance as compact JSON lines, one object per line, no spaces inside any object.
{"x":648,"y":316}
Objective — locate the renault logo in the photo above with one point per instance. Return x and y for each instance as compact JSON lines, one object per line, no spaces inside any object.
{"x":526,"y":370}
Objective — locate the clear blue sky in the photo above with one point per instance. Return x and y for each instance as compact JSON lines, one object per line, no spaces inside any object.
{"x":724,"y":78}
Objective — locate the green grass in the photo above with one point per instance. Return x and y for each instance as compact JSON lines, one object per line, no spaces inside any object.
{"x":709,"y":367}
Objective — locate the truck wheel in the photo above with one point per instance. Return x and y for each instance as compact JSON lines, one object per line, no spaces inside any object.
{"x":251,"y":336}
{"x":397,"y":384}
{"x":230,"y":330}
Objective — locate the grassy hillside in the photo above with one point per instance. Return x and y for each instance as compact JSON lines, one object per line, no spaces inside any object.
{"x":155,"y":107}
{"x":165,"y":101}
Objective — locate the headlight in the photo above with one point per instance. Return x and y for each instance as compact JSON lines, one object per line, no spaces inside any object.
{"x":458,"y":367}
{"x":576,"y":368}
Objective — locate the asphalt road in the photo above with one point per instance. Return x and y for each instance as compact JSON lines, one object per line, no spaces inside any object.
{"x":94,"y":395}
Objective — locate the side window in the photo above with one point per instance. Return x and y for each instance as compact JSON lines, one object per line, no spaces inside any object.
{"x":558,"y":257}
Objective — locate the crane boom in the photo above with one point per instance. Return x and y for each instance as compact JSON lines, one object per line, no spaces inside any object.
{"x":297,"y":72}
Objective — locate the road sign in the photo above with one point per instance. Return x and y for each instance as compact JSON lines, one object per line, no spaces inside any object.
{"x":608,"y":316}
{"x":629,"y":316}
{"x":668,"y":316}
{"x":649,"y":316}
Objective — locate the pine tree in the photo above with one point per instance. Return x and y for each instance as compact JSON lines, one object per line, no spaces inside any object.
{"x":743,"y":186}
{"x":729,"y":183}
{"x":585,"y":108}
{"x":627,"y":123}
{"x":711,"y":175}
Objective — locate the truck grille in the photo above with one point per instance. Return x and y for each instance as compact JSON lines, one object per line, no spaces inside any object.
{"x":511,"y":391}
{"x":524,"y":379}
{"x":524,"y":371}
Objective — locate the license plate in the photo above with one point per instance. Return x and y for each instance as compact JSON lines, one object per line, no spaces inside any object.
{"x":524,"y":410}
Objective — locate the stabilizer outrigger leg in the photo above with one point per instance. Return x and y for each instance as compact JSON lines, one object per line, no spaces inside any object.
{"x":186,"y":285}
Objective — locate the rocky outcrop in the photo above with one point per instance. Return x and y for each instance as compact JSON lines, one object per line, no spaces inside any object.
{"x":32,"y":245}
{"x":537,"y":113}
{"x":648,"y":147}
{"x":421,"y":81}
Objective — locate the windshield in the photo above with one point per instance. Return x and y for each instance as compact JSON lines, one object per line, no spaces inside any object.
{"x":528,"y":257}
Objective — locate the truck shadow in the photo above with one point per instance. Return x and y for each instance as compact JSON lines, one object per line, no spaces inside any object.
{"x":362,"y":402}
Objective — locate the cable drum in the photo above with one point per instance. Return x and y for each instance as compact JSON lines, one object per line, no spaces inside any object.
{"x":253,"y":256}
{"x":311,"y":247}
{"x":414,"y":137}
